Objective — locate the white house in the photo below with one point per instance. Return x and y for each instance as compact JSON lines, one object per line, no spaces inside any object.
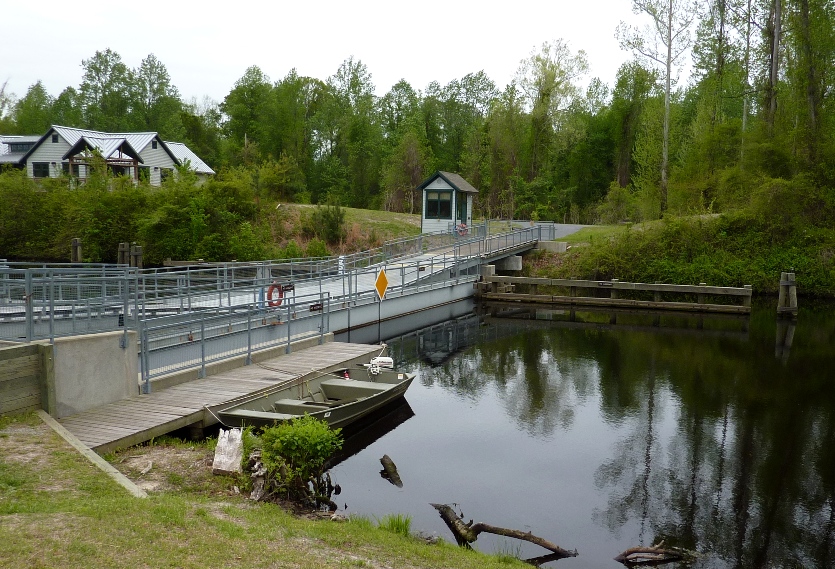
{"x":67,"y":150}
{"x":447,"y":203}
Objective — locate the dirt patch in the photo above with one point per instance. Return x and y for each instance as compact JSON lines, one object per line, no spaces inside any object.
{"x":32,"y":446}
{"x":166,"y":468}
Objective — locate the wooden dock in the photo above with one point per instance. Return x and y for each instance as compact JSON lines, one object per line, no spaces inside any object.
{"x":143,"y":417}
{"x":613,"y":294}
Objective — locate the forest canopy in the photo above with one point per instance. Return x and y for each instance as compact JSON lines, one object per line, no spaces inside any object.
{"x":552,"y":144}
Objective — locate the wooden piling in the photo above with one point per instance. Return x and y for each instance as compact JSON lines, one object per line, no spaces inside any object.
{"x":75,"y":254}
{"x":787,"y":297}
{"x":123,"y":254}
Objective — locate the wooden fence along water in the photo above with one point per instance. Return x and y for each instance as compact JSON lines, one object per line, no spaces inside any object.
{"x":614,"y":293}
{"x":24,"y":371}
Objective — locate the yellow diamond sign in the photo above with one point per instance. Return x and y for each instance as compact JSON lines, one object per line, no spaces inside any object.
{"x":381,"y":284}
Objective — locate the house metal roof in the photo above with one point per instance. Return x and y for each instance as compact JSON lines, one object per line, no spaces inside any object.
{"x":454,"y":180}
{"x":137,"y":140}
{"x":6,"y":154}
{"x":184,"y":153}
{"x":108,"y":147}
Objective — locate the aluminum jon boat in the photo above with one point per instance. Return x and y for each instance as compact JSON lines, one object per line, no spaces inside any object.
{"x":339,"y":398}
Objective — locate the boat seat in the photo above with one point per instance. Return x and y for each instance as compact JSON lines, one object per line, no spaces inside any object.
{"x":264,"y":415}
{"x":296,"y":407}
{"x":351,"y":389}
{"x":318,"y":396}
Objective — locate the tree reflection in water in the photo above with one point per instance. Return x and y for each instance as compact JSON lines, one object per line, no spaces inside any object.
{"x":725,"y":448}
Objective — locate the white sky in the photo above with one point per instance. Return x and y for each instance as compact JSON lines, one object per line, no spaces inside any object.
{"x":206,"y":46}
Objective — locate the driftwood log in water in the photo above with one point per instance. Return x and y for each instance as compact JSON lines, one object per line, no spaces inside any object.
{"x":389,"y":471}
{"x":654,"y":555}
{"x":466,"y":533}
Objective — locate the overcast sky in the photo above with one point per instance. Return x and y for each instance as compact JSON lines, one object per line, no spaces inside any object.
{"x":208,"y":45}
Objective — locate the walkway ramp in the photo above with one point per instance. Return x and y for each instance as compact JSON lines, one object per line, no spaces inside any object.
{"x":143,"y":417}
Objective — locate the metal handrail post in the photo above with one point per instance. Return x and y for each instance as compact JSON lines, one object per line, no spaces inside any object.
{"x":145,"y":349}
{"x":248,"y":335}
{"x":202,"y":372}
{"x":322,"y":322}
{"x":52,"y":309}
{"x":288,"y":349}
{"x":29,"y":305}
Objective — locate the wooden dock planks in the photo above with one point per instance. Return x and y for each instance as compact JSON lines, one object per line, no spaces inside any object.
{"x":142,"y":417}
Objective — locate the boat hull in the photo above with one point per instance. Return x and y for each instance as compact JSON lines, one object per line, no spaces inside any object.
{"x":336,"y":400}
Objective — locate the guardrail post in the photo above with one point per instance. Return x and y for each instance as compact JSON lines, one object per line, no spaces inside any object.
{"x":52,"y":309}
{"x":614,"y":292}
{"x":248,"y":335}
{"x":30,"y":306}
{"x":289,"y":348}
{"x":202,"y":372}
{"x":700,"y":297}
{"x":144,"y":359}
{"x":322,"y":321}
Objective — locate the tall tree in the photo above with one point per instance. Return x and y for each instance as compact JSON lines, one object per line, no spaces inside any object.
{"x":105,"y":87}
{"x":66,"y":110}
{"x":33,"y":113}
{"x":156,"y":103}
{"x":547,"y":79}
{"x":662,"y":42}
{"x":244,"y":106}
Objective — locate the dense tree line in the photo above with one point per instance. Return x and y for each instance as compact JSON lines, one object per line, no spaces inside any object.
{"x":758,"y":105}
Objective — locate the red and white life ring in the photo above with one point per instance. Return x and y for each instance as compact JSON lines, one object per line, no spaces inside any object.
{"x":461,"y":228}
{"x":273,"y":288}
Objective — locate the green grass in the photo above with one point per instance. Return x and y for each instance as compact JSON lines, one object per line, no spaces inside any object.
{"x":595,"y":234}
{"x":57,"y":510}
{"x":396,"y":523}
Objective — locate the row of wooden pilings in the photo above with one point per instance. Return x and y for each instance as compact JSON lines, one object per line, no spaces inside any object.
{"x":128,"y":253}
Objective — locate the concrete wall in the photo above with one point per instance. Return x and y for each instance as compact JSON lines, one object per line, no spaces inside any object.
{"x":93,"y":370}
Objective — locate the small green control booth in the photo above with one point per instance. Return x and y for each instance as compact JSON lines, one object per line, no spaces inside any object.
{"x":447,"y":203}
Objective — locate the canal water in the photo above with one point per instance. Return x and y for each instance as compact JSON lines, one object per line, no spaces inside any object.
{"x":605,"y":431}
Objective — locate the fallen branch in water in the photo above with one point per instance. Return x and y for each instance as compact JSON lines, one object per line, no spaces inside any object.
{"x":466,"y":533}
{"x":654,"y":555}
{"x":389,"y":471}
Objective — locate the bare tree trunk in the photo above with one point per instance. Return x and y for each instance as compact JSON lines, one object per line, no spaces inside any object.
{"x":812,"y":97}
{"x":746,"y":95}
{"x":665,"y":149}
{"x":775,"y":65}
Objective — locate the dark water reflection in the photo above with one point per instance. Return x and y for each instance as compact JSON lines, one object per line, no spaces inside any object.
{"x":712,"y":435}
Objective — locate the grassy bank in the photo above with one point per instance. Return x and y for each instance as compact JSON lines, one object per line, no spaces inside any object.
{"x":728,"y":250}
{"x":57,"y":510}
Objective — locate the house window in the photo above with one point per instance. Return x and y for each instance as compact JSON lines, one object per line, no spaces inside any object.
{"x":20,"y":147}
{"x":154,"y":144}
{"x":438,"y":205}
{"x":65,"y":166}
{"x":145,"y":173}
{"x":54,"y":138}
{"x":164,"y":174}
{"x":40,"y":169}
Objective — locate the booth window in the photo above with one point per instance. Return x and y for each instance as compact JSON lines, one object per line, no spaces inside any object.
{"x":438,"y":205}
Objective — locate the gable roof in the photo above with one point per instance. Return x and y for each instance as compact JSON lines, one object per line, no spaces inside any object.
{"x":106,"y":146}
{"x":454,"y":180}
{"x":137,"y":140}
{"x":184,"y":153}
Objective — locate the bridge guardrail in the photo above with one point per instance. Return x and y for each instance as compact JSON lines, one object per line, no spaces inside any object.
{"x":180,"y":342}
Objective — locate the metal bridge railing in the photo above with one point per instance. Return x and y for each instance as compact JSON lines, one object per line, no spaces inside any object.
{"x":181,"y":342}
{"x":45,"y":303}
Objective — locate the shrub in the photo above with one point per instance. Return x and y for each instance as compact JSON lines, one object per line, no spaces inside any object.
{"x":295,"y":452}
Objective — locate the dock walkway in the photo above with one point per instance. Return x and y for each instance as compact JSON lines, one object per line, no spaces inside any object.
{"x":142,"y":417}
